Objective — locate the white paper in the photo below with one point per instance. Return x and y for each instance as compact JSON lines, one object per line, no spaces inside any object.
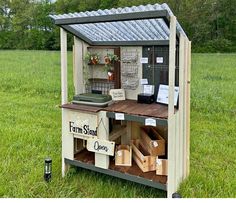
{"x":159,"y":60}
{"x":144,"y":81}
{"x":143,"y":60}
{"x":155,"y":144}
{"x":148,"y":89}
{"x":119,"y":153}
{"x":159,"y":162}
{"x":119,"y":116}
{"x":150,"y":121}
{"x":163,"y":94}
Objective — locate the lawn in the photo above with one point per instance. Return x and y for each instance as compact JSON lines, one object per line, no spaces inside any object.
{"x":30,"y":126}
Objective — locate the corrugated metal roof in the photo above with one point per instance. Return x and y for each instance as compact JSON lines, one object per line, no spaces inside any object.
{"x":134,"y":30}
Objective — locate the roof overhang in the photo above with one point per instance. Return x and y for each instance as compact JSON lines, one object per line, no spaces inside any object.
{"x":80,"y":26}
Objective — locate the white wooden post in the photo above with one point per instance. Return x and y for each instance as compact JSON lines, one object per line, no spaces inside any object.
{"x":78,"y":66}
{"x":185,"y":108}
{"x":102,"y":160}
{"x":188,"y":109}
{"x":181,"y":106}
{"x":67,"y":141}
{"x":64,"y":91}
{"x":171,"y":183}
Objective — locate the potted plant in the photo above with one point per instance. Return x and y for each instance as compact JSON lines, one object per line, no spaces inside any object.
{"x":92,"y":58}
{"x":110,"y":59}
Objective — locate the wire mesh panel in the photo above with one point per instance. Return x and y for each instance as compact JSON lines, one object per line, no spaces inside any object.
{"x":129,"y":57}
{"x":129,"y":83}
{"x":102,"y":85}
{"x":129,"y":69}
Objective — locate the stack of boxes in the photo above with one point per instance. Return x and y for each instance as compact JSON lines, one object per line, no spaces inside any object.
{"x":148,"y":152}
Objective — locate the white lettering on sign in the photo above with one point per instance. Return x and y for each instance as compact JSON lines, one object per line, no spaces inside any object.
{"x":143,"y":60}
{"x":119,"y":116}
{"x":117,"y":94}
{"x":159,"y":60}
{"x":150,"y":121}
{"x":101,"y":146}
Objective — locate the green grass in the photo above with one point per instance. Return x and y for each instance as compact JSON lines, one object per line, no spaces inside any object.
{"x":30,"y":126}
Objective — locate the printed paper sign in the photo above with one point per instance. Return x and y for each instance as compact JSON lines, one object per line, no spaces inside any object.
{"x":148,"y":89}
{"x":163,"y":94}
{"x":144,"y":81}
{"x":119,"y":116}
{"x":117,"y":94}
{"x":150,"y":121}
{"x":143,"y":60}
{"x":101,"y":146}
{"x":159,"y":60}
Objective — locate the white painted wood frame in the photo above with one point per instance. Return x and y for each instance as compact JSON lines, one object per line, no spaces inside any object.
{"x":67,"y":141}
{"x":102,"y":160}
{"x":181,"y":106}
{"x":188,"y":108}
{"x":78,"y":75}
{"x":171,"y":179}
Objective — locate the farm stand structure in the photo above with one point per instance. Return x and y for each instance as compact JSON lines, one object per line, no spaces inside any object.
{"x":151,"y":45}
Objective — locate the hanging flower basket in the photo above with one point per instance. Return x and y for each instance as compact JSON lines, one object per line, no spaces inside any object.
{"x":92,"y":58}
{"x":110,"y":59}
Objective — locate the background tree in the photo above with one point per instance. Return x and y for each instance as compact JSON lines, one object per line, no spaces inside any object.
{"x":24,"y":24}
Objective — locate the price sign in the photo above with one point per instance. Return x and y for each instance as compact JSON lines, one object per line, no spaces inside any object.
{"x":150,"y":121}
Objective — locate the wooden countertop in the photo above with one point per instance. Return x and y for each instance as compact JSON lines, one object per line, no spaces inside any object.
{"x":80,"y":107}
{"x":127,"y":106}
{"x":132,"y":107}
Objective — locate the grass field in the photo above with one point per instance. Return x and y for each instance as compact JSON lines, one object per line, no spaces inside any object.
{"x":30,"y":126}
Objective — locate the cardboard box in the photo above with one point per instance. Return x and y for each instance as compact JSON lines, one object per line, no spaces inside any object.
{"x":161,"y":167}
{"x":154,"y":143}
{"x":143,"y":159}
{"x":123,"y":155}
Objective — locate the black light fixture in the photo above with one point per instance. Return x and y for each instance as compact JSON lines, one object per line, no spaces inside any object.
{"x":47,"y":169}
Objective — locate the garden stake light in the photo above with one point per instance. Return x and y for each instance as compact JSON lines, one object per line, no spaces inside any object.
{"x":47,"y":169}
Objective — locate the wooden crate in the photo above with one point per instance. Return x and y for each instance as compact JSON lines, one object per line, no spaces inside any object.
{"x":161,"y":167}
{"x":154,"y":143}
{"x":144,"y":160}
{"x":123,"y":155}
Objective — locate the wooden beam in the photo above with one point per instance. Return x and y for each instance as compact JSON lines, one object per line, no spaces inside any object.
{"x":171,"y":187}
{"x":74,"y":32}
{"x":64,"y":90}
{"x":117,"y":133}
{"x":114,"y":17}
{"x":126,"y":137}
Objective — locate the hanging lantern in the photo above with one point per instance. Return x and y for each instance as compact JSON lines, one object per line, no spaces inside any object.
{"x":47,"y":169}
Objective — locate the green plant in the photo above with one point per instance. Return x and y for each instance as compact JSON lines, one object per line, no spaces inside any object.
{"x":92,"y":58}
{"x":110,"y":59}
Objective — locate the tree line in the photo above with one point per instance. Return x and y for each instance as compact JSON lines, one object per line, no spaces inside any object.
{"x":24,"y":24}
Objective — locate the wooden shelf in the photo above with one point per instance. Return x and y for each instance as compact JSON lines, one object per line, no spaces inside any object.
{"x":100,"y":80}
{"x":86,"y":159}
{"x":99,"y":64}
